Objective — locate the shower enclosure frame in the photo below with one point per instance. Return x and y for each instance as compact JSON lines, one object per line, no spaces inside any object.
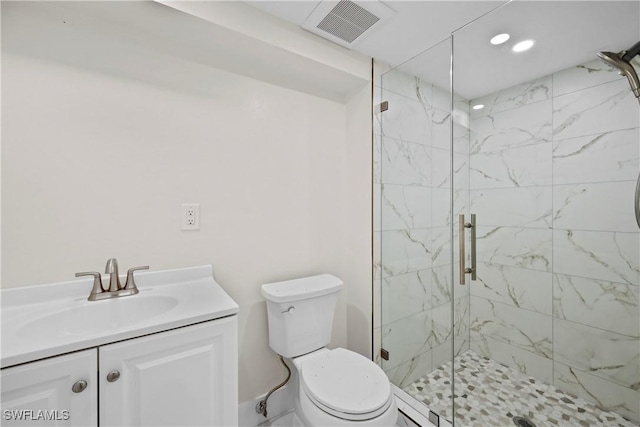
{"x":557,"y":279}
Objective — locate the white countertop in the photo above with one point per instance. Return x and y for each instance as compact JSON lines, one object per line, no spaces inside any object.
{"x":46,"y":320}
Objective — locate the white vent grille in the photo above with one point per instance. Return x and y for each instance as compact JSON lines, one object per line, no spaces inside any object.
{"x":348,"y":21}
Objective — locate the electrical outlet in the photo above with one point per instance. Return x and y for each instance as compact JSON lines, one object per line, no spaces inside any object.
{"x":190,"y":216}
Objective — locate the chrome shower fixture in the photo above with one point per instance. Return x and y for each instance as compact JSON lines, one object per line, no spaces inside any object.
{"x":621,"y":62}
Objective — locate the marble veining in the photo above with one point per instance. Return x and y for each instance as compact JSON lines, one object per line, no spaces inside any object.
{"x":409,"y":371}
{"x":441,"y":245}
{"x":598,"y":109}
{"x":405,"y":163}
{"x":602,"y":157}
{"x":441,"y":174}
{"x":526,"y":125}
{"x":377,"y":255}
{"x":441,"y":205}
{"x":519,"y":287}
{"x":405,"y":119}
{"x":603,"y":393}
{"x":524,"y":329}
{"x":516,"y":167}
{"x":442,"y":330}
{"x":403,"y":251}
{"x":403,"y":84}
{"x":406,"y":295}
{"x":523,"y":361}
{"x":599,"y":303}
{"x":413,"y":212}
{"x":404,"y":207}
{"x":548,"y":166}
{"x":597,"y":254}
{"x":515,"y":246}
{"x":377,"y":143}
{"x":513,"y":97}
{"x":595,"y":206}
{"x":406,"y":337}
{"x":601,"y":353}
{"x":519,"y":207}
{"x":441,"y":287}
{"x":582,"y":76}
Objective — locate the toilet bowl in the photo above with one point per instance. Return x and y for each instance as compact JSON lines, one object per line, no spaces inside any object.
{"x":334,"y":387}
{"x":342,"y":388}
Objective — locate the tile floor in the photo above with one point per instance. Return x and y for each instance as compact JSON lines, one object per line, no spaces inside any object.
{"x":489,"y":394}
{"x":290,"y":419}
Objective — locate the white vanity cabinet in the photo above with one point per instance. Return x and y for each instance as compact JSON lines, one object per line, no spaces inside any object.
{"x":50,"y":392}
{"x":184,"y":377}
{"x":167,"y":356}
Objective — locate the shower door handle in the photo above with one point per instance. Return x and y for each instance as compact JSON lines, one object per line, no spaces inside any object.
{"x":472,"y":227}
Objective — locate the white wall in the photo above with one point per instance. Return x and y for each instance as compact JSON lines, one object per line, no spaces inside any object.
{"x":359,"y":219}
{"x":97,"y":158}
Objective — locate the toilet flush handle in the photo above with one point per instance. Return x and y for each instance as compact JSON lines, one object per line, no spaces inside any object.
{"x":289,"y":310}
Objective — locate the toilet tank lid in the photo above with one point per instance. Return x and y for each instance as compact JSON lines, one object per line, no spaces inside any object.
{"x":302,"y":288}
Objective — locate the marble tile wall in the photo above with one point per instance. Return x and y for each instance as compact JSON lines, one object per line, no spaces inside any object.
{"x":549,"y":167}
{"x":412,"y":225}
{"x":552,"y":169}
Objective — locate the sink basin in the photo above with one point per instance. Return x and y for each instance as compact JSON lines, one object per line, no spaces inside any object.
{"x":46,"y":320}
{"x":98,"y":316}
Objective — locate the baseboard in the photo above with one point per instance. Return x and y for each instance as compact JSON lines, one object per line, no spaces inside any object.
{"x":279,"y":402}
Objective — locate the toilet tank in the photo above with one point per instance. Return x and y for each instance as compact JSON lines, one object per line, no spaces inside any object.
{"x":300,"y":313}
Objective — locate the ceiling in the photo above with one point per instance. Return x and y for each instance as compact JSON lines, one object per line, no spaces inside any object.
{"x":174,"y":44}
{"x":567,"y":33}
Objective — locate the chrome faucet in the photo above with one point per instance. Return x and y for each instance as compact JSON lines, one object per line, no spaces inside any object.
{"x":115,"y":289}
{"x":112,"y":270}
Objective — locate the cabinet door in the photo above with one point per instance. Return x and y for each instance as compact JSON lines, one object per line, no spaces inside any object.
{"x":41,"y":393}
{"x":183,"y":377}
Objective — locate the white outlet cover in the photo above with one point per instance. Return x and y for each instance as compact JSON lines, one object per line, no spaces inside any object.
{"x":190,"y":216}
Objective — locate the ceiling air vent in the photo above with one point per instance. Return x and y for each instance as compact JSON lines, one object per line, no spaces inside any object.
{"x":346,"y":22}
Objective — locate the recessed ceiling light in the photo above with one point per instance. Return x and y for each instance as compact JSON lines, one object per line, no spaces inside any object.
{"x":523,"y":45}
{"x":478,"y":107}
{"x":500,"y":38}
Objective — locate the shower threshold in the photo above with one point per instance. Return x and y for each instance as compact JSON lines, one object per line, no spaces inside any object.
{"x":491,"y":394}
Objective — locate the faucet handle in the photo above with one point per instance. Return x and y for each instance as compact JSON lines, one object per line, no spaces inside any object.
{"x":97,"y":283}
{"x":131,"y":283}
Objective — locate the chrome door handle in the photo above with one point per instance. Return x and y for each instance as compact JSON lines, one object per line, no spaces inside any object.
{"x":474,"y":268}
{"x":461,"y":251}
{"x":462,"y":255}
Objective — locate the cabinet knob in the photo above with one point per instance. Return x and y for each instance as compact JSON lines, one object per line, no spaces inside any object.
{"x":113,"y":376}
{"x":79,"y":386}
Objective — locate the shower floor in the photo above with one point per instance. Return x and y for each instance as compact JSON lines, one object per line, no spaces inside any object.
{"x":490,"y":394}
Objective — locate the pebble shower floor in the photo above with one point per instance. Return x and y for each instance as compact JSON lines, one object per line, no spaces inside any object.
{"x":489,"y":394}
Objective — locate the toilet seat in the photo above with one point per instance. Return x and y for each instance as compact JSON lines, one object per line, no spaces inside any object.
{"x":346,"y":385}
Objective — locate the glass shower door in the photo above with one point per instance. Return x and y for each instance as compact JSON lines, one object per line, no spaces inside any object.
{"x":553,"y":327}
{"x":414,"y":228}
{"x":549,"y":332}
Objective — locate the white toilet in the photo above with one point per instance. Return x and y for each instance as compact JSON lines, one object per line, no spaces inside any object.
{"x":334,"y":387}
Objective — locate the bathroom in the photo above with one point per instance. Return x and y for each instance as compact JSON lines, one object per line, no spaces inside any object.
{"x":116,"y":114}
